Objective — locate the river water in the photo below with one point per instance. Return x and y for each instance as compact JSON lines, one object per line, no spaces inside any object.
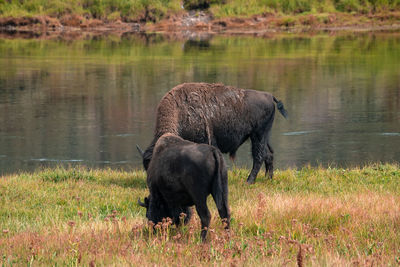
{"x":90,"y":101}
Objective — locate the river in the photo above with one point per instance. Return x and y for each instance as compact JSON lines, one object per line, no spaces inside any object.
{"x":90,"y":101}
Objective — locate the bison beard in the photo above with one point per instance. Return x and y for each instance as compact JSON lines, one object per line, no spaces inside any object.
{"x":222,"y":116}
{"x":182,"y":174}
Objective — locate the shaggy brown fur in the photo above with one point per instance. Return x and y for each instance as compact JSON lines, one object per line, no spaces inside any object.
{"x":219,"y":115}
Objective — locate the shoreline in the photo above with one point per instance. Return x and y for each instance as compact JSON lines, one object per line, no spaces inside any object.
{"x":198,"y":23}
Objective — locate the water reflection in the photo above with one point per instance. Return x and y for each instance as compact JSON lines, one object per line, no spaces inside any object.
{"x":90,"y":101}
{"x":196,"y":45}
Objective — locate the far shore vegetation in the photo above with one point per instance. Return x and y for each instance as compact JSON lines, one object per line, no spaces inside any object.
{"x":154,"y":10}
{"x":308,"y":216}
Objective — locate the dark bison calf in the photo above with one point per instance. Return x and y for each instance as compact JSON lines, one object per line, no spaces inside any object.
{"x":222,"y":116}
{"x":181,"y":174}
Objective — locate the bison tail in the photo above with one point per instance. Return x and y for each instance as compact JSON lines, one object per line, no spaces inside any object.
{"x":280,"y":107}
{"x":220,"y":183}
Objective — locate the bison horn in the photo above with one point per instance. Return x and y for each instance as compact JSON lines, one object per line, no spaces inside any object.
{"x":140,"y":203}
{"x":140,"y":150}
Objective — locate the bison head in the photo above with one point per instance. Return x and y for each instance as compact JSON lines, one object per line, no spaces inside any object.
{"x":156,"y":210}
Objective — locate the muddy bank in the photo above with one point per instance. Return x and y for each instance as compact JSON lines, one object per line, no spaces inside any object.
{"x":68,"y":23}
{"x":269,"y":22}
{"x":187,"y":23}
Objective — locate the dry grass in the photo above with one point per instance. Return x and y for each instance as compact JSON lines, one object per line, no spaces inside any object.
{"x":313,"y":216}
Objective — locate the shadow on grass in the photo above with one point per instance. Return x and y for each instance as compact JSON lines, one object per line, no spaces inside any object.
{"x":134,"y":183}
{"x":134,"y":179}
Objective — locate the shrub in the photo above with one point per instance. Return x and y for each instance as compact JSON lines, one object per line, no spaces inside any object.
{"x":200,"y":4}
{"x":296,"y":6}
{"x":347,"y":5}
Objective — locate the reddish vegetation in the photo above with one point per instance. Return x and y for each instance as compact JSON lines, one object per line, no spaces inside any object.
{"x":43,"y":21}
{"x":269,"y":21}
{"x":65,"y":23}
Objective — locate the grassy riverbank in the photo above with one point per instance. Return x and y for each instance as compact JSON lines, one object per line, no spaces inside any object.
{"x":221,"y":15}
{"x":135,"y":9}
{"x":312,"y":216}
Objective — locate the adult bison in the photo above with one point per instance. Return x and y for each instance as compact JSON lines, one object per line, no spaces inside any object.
{"x":181,"y":174}
{"x":219,"y":115}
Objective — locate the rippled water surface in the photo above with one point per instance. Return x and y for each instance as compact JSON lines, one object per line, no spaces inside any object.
{"x":88,"y":102}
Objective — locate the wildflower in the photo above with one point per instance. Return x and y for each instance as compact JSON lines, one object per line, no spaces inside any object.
{"x":5,"y":231}
{"x":191,"y":230}
{"x":169,"y":221}
{"x":310,"y":249}
{"x":178,"y":236}
{"x":80,"y":214}
{"x":71,"y":223}
{"x":164,"y":225}
{"x":182,"y":216}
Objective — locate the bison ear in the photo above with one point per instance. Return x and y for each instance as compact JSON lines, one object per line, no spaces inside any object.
{"x":145,"y":204}
{"x":140,"y":151}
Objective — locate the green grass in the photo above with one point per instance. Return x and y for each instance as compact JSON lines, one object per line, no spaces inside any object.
{"x":101,"y":9}
{"x":253,"y":7}
{"x":128,"y":10}
{"x":81,"y":216}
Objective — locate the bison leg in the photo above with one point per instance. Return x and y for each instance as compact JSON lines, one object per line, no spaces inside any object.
{"x":259,"y":149}
{"x":220,"y":196}
{"x":269,"y":163}
{"x":205,"y":218}
{"x":221,"y":201}
{"x":258,"y":152}
{"x":254,"y":171}
{"x":269,"y":167}
{"x":223,"y":211}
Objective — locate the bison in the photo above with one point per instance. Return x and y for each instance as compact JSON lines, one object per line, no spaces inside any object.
{"x":221,"y":116}
{"x":181,"y":174}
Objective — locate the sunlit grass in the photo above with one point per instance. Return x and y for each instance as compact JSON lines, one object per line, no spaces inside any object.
{"x":128,"y":10}
{"x":82,"y":216}
{"x":101,"y":9}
